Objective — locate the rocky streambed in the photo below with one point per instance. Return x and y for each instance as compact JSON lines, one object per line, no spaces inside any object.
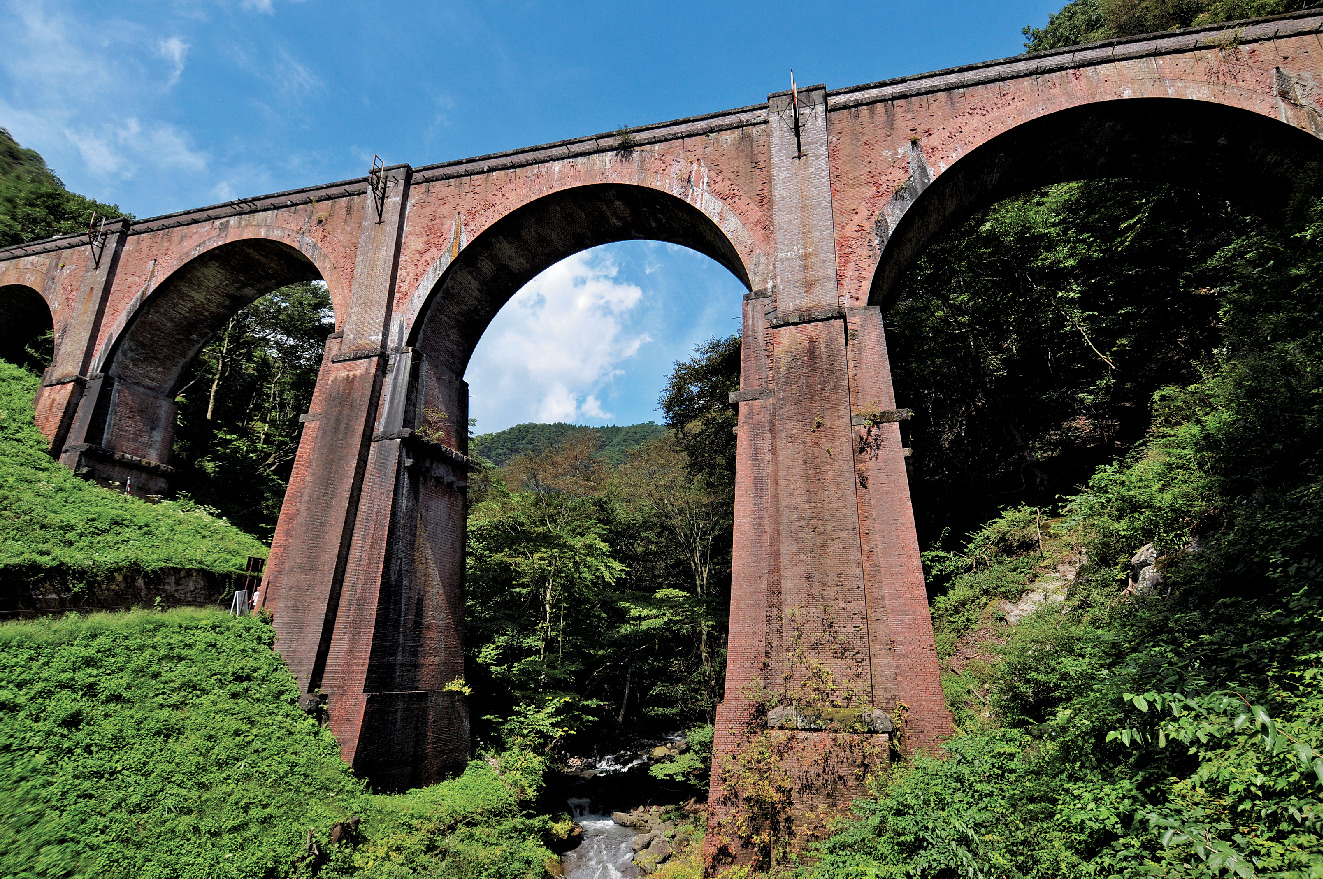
{"x":631,"y":822}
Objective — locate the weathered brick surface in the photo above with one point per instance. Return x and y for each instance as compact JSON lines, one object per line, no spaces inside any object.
{"x":900,"y":631}
{"x":782,"y":789}
{"x":819,"y":221}
{"x":801,"y":203}
{"x":305,"y":572}
{"x":891,"y":141}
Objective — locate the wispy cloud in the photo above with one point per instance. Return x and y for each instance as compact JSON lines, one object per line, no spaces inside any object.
{"x":173,"y":50}
{"x":553,"y":351}
{"x":122,"y":149}
{"x":286,"y":78}
{"x":294,"y":79}
{"x":81,"y":90}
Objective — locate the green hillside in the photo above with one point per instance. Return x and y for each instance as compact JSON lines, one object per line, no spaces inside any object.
{"x":171,"y":746}
{"x":614,"y":443}
{"x":56,"y":522}
{"x":34,"y":203}
{"x":19,"y":163}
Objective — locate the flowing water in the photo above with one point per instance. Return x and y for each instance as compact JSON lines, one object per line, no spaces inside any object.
{"x":605,"y":851}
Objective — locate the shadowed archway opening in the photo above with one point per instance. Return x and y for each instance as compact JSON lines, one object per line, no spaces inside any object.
{"x":154,"y":373}
{"x":26,"y":328}
{"x":1240,"y":155}
{"x":1044,"y":287}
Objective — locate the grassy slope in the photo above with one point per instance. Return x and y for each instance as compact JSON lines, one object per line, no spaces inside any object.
{"x":171,"y":745}
{"x":162,"y":745}
{"x":52,"y":519}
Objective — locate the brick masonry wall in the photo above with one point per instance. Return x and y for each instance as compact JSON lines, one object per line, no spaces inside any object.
{"x":905,"y":667}
{"x":890,"y":141}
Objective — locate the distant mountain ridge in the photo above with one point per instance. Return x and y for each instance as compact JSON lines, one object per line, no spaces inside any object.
{"x":614,"y":442}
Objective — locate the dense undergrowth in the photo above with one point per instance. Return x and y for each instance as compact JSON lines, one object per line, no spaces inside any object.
{"x":56,"y":522}
{"x":171,"y":744}
{"x":1173,"y":732}
{"x":1084,"y":21}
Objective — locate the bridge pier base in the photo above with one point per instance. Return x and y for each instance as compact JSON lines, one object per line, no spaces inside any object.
{"x":365,"y":577}
{"x":366,"y":580}
{"x":831,"y":658}
{"x":830,"y":661}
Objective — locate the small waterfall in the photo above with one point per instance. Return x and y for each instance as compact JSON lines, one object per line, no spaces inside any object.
{"x":605,"y":852}
{"x":614,"y":781}
{"x":612,"y":763}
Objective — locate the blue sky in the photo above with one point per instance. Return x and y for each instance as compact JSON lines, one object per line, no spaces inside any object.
{"x":162,"y":106}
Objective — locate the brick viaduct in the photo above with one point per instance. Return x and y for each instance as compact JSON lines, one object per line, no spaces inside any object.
{"x":816,"y":203}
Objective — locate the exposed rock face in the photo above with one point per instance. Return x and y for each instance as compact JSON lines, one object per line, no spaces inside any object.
{"x":1050,"y":589}
{"x":1145,"y":575}
{"x":1028,"y":603}
{"x":653,"y":844}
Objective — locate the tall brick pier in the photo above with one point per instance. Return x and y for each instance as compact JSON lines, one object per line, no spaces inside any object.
{"x":816,"y":201}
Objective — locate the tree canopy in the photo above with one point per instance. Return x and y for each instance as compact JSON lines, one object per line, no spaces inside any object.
{"x":34,"y":203}
{"x":1088,"y":21}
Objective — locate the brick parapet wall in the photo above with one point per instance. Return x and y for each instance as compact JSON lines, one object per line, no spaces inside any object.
{"x":1193,"y":39}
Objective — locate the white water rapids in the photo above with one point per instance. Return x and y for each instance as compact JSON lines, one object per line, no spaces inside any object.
{"x":605,"y":851}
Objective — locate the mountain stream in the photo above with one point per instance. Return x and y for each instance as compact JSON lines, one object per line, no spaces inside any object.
{"x":605,"y":852}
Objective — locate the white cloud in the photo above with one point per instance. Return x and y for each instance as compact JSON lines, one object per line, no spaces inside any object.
{"x":258,"y":6}
{"x":552,"y":353}
{"x":81,"y":92}
{"x":288,"y":79}
{"x":174,"y":50}
{"x":293,"y":78}
{"x":121,"y":150}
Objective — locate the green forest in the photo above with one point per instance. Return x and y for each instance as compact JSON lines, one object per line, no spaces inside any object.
{"x":1117,"y":473}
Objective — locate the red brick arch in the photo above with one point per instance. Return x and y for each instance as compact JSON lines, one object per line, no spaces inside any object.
{"x":36,"y":279}
{"x":467,"y":291}
{"x":156,"y":339}
{"x":163,"y":279}
{"x":1241,"y":154}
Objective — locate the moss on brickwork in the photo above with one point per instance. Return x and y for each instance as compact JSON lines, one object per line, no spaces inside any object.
{"x":779,"y":789}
